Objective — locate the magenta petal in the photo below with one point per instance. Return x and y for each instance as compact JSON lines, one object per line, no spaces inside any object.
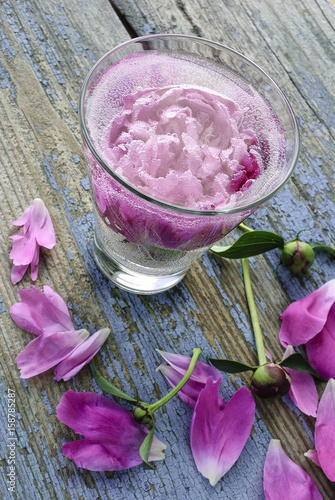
{"x":81,"y":355}
{"x":219,"y":435}
{"x":41,"y":312}
{"x":112,"y":435}
{"x":284,"y":479}
{"x":23,"y":249}
{"x":46,"y":351}
{"x":191,"y":390}
{"x":34,"y":264}
{"x":313,"y":455}
{"x":321,"y":349}
{"x":180,"y":363}
{"x":303,"y":391}
{"x":306,"y":317}
{"x":325,"y":431}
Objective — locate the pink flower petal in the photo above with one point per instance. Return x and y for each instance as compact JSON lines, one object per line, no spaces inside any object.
{"x":191,"y":390}
{"x":219,"y":435}
{"x":313,"y":455}
{"x":41,"y":313}
{"x":37,"y":231}
{"x":325,"y":431}
{"x":112,"y":435}
{"x":303,"y":391}
{"x":17,"y":273}
{"x":305,"y":318}
{"x":46,"y":351}
{"x":321,"y":349}
{"x":201,"y":372}
{"x":81,"y":355}
{"x":284,"y":479}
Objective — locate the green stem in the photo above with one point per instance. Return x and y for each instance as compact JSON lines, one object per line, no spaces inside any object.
{"x":253,"y":313}
{"x":245,"y":228}
{"x":169,"y":395}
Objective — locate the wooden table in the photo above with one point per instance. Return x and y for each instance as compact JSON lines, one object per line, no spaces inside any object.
{"x":47,"y":48}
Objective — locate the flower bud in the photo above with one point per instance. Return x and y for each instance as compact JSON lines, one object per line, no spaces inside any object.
{"x":270,"y":380}
{"x":297,"y":256}
{"x":142,"y":415}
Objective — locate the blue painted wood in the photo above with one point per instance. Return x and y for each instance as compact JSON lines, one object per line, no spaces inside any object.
{"x":46,"y":50}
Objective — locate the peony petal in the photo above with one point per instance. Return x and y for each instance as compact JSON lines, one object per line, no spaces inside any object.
{"x":41,"y":312}
{"x":34,"y":264}
{"x":201,"y":372}
{"x":23,"y":249}
{"x":321,"y":349}
{"x":112,"y":435}
{"x":17,"y":273}
{"x":284,"y":479}
{"x":42,"y":225}
{"x":81,"y":355}
{"x":219,"y":435}
{"x":305,"y":318}
{"x":303,"y":391}
{"x":46,"y":351}
{"x":325,"y":431}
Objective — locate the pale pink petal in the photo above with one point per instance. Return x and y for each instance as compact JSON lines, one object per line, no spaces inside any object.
{"x":219,"y":435}
{"x":190,"y":391}
{"x":321,"y":349}
{"x":17,"y":273}
{"x":44,"y":233}
{"x":303,"y":391}
{"x":325,"y":431}
{"x":284,"y":479}
{"x":41,"y":312}
{"x":305,"y":318}
{"x":34,"y":264}
{"x":180,"y":363}
{"x":23,"y":219}
{"x":112,"y":435}
{"x":46,"y":351}
{"x":313,"y":456}
{"x":23,"y":249}
{"x":81,"y":355}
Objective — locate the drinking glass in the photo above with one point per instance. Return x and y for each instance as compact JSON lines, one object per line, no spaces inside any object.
{"x":143,"y":241}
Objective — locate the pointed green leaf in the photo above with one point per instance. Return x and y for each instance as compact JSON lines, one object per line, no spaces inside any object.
{"x":320,"y":246}
{"x":110,"y":388}
{"x":250,"y":244}
{"x":297,"y":362}
{"x":230,"y":366}
{"x":147,"y":443}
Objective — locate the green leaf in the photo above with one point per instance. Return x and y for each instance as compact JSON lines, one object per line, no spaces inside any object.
{"x":320,"y":246}
{"x":250,"y":244}
{"x":110,"y":388}
{"x":297,"y":362}
{"x":230,"y":366}
{"x":147,"y":443}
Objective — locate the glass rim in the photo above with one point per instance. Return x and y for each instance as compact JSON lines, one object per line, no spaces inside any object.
{"x":170,"y":206}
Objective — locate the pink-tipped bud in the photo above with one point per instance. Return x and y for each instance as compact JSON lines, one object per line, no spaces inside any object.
{"x":270,"y":380}
{"x":297,"y":256}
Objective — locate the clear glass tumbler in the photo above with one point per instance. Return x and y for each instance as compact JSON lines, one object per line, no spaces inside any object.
{"x":146,"y":241}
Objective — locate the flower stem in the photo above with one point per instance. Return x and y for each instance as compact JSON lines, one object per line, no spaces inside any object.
{"x":253,"y":313}
{"x":169,"y":395}
{"x":245,"y":228}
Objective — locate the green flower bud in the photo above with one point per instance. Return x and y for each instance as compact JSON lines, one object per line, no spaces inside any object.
{"x":270,"y":380}
{"x":142,"y":415}
{"x":297,"y":256}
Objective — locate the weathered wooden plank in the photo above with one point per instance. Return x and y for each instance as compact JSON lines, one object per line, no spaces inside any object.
{"x":47,"y":49}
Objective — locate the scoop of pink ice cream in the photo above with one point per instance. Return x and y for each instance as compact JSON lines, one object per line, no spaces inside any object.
{"x":184,"y":146}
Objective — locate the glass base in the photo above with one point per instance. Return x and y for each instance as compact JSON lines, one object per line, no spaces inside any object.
{"x":131,"y":281}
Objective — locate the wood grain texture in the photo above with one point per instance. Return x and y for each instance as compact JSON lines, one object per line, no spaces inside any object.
{"x":46,"y":50}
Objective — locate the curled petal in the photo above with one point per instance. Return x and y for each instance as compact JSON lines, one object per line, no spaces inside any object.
{"x":313,"y":455}
{"x":17,"y":273}
{"x":284,"y":479}
{"x":46,"y":351}
{"x":302,"y":391}
{"x":201,"y":372}
{"x":41,"y":313}
{"x":81,"y":355}
{"x":112,"y":435}
{"x":219,"y":435}
{"x":321,"y":349}
{"x":305,"y":318}
{"x":325,"y":431}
